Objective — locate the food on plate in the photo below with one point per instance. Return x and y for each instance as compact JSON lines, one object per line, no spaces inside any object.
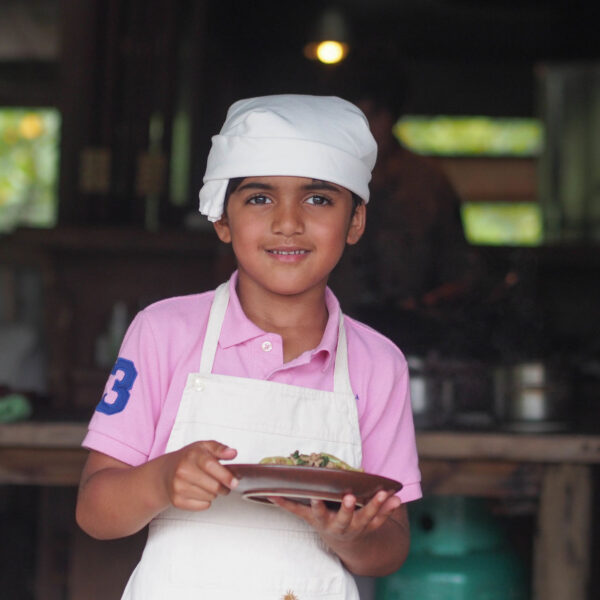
{"x":315,"y":459}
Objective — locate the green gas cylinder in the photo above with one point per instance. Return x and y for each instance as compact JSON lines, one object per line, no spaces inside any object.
{"x":459,"y":551}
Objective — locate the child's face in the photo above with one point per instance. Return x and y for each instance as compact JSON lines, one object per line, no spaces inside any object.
{"x":288,"y":233}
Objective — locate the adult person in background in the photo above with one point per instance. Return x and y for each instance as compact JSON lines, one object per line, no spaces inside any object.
{"x":413,"y":267}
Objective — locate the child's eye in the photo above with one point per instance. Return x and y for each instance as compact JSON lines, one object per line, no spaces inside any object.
{"x":318,"y":200}
{"x":258,"y":199}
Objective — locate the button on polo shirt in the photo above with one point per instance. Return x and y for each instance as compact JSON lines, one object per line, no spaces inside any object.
{"x":268,"y":359}
{"x":259,"y":354}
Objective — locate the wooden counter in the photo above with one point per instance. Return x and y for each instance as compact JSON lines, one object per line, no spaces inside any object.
{"x":552,"y":470}
{"x":33,"y":453}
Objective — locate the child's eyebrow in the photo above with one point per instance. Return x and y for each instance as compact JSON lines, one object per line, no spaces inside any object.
{"x":318,"y":184}
{"x":315,"y":185}
{"x":255,"y":185}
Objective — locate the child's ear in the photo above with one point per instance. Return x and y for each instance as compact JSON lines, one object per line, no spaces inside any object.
{"x":222,"y":228}
{"x":357,"y":224}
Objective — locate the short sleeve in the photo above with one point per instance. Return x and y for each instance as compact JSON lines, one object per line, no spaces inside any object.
{"x":125,"y":418}
{"x":385,"y":416}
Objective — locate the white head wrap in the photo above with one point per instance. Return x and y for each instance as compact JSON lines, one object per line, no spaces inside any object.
{"x":321,"y":137}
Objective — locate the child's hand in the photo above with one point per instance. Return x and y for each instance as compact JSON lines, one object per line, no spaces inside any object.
{"x":347,"y":525}
{"x":193,"y":476}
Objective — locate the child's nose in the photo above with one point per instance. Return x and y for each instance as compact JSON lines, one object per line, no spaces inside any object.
{"x":288,"y":219}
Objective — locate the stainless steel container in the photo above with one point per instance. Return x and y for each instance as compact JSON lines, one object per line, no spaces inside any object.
{"x":532,"y":397}
{"x":432,"y":395}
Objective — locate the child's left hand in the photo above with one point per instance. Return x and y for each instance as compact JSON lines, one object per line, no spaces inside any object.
{"x":348,"y":524}
{"x":372,"y":540}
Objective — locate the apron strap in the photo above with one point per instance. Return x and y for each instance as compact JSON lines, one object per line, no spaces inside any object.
{"x":213,"y":329}
{"x":341,"y":375}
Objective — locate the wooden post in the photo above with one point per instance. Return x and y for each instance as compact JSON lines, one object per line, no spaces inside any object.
{"x":562,"y":543}
{"x":55,"y":529}
{"x":99,"y":570}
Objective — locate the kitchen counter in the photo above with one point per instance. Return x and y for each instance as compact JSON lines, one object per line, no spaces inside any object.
{"x":552,"y":471}
{"x":49,"y":453}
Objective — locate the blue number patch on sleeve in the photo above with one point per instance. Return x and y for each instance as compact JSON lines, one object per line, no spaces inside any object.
{"x":121,"y":387}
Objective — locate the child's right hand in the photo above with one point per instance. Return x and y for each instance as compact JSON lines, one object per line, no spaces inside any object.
{"x":116,"y":499}
{"x":193,"y":476}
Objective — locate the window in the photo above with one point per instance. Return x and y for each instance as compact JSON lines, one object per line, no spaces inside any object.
{"x":502,"y":224}
{"x":506,"y":221}
{"x":29,"y":149}
{"x":471,"y":136}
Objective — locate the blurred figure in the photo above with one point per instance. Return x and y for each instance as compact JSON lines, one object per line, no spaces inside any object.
{"x":413,"y":256}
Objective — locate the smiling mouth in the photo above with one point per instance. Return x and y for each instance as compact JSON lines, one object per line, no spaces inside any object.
{"x":287,"y":252}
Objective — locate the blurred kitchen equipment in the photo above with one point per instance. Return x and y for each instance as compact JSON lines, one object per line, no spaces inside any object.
{"x":14,"y":407}
{"x":450,"y":393}
{"x":431,"y":392}
{"x":22,"y":364}
{"x":586,"y":388}
{"x":569,"y":166}
{"x":108,"y":342}
{"x":459,"y":551}
{"x":532,"y":397}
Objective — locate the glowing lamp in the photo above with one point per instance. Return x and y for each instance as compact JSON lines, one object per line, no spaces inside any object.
{"x":331,"y":52}
{"x":329,"y":41}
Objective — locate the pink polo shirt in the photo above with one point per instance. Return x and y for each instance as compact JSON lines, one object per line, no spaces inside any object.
{"x":163,"y":344}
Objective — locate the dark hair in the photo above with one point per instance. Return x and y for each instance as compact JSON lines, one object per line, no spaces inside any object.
{"x":235,"y":182}
{"x":231,"y":187}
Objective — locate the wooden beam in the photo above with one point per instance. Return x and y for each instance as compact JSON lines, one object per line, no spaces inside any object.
{"x":563,"y":539}
{"x":432,"y":445}
{"x":49,"y":466}
{"x":554,"y":448}
{"x":491,"y":479}
{"x":29,"y":434}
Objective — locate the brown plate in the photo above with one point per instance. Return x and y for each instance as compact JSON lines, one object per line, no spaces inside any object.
{"x":303,"y":484}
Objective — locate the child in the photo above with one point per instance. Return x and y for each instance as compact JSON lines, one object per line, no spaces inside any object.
{"x":263,"y":366}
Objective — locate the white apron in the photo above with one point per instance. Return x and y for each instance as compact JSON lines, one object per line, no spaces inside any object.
{"x":238,"y":549}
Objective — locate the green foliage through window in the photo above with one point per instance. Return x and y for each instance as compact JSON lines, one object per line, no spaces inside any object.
{"x":502,"y":223}
{"x":29,"y":149}
{"x":471,"y":136}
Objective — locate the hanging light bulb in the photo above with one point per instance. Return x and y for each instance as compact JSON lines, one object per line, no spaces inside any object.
{"x":331,"y":52}
{"x":329,"y":43}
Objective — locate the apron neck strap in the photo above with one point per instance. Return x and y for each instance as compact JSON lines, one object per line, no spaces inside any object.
{"x":213,"y":329}
{"x":341,"y":375}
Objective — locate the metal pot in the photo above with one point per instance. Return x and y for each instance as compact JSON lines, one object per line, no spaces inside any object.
{"x":432,"y":395}
{"x":532,"y":397}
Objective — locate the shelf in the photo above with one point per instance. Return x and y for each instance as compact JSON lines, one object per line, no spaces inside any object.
{"x":446,"y":445}
{"x":492,"y":179}
{"x":115,"y":239}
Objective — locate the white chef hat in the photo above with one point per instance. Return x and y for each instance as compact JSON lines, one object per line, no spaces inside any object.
{"x":321,"y":137}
